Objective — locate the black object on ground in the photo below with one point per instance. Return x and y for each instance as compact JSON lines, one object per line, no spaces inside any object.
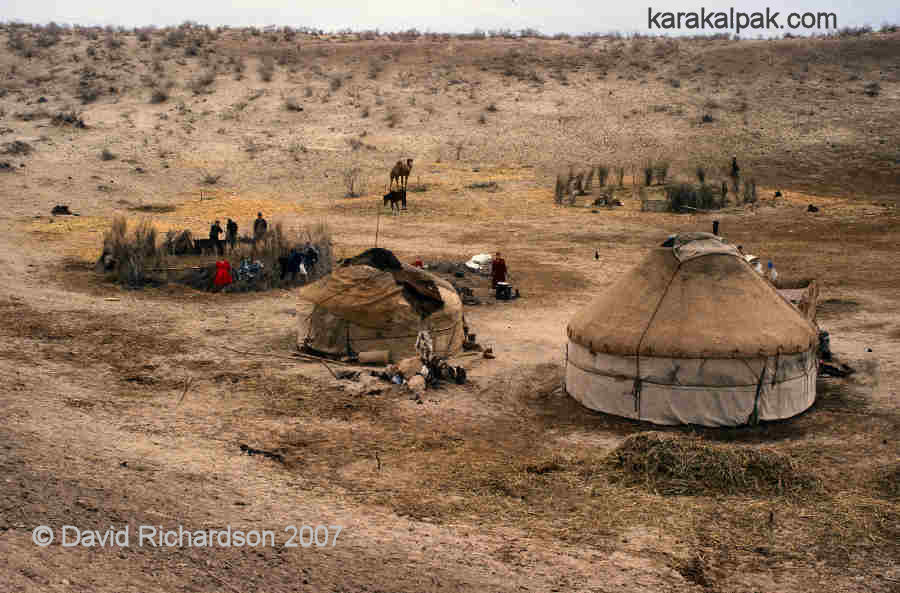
{"x":251,"y":452}
{"x":824,"y":346}
{"x":831,"y":370}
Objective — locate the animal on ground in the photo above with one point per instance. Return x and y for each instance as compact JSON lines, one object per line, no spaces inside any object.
{"x":397,"y":199}
{"x":400,"y":173}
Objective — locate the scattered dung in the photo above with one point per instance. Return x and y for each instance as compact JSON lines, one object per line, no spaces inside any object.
{"x":677,"y":465}
{"x":835,"y":306}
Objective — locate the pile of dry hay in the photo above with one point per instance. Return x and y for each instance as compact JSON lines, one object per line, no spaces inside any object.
{"x":679,"y":465}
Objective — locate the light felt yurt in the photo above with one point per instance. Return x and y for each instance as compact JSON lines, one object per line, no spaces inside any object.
{"x":374,"y":303}
{"x":693,"y":335}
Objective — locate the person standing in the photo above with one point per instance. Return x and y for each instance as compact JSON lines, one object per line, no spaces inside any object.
{"x":260,"y":226}
{"x":498,"y":270}
{"x":214,"y":231}
{"x":231,"y":233}
{"x":310,"y":257}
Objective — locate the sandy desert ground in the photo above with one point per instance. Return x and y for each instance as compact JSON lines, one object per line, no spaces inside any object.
{"x":497,"y":485}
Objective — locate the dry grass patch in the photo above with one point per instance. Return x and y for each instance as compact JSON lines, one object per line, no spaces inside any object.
{"x":130,"y":256}
{"x":680,"y":465}
{"x":153,"y":208}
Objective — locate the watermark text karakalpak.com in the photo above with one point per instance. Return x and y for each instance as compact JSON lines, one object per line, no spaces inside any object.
{"x":739,"y":21}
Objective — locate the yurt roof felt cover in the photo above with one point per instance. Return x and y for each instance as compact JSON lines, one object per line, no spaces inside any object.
{"x":697,"y":298}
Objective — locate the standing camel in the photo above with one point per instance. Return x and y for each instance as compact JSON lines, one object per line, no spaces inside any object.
{"x":400,"y":172}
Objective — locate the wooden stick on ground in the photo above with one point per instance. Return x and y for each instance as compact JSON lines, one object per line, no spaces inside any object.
{"x":297,"y":355}
{"x":187,"y":385}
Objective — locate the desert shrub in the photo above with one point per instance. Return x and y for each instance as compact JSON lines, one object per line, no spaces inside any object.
{"x":873,"y":89}
{"x":159,"y":94}
{"x":88,"y":91}
{"x":68,"y":118}
{"x":701,"y":174}
{"x":49,"y":35}
{"x":291,"y":104}
{"x":106,"y":155}
{"x":129,"y":257}
{"x":854,"y":31}
{"x":492,"y":108}
{"x":393,"y":117}
{"x":404,"y":79}
{"x":335,"y":82}
{"x":648,"y":173}
{"x":18,"y":44}
{"x":365,"y":111}
{"x":685,"y":196}
{"x":266,"y":68}
{"x":211,"y":178}
{"x":588,"y":181}
{"x":296,"y":149}
{"x":662,"y":171}
{"x":482,"y":119}
{"x":16,"y":147}
{"x":175,"y":37}
{"x":750,"y":192}
{"x":288,"y":56}
{"x":559,"y":192}
{"x":113,"y":42}
{"x":353,"y":182}
{"x":202,"y":82}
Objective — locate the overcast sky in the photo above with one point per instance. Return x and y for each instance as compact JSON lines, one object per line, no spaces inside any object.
{"x":452,"y":16}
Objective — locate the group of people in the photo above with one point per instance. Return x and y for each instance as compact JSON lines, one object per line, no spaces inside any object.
{"x":299,"y":261}
{"x":260,"y":227}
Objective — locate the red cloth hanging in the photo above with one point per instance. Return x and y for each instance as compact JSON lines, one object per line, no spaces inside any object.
{"x":223,"y":274}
